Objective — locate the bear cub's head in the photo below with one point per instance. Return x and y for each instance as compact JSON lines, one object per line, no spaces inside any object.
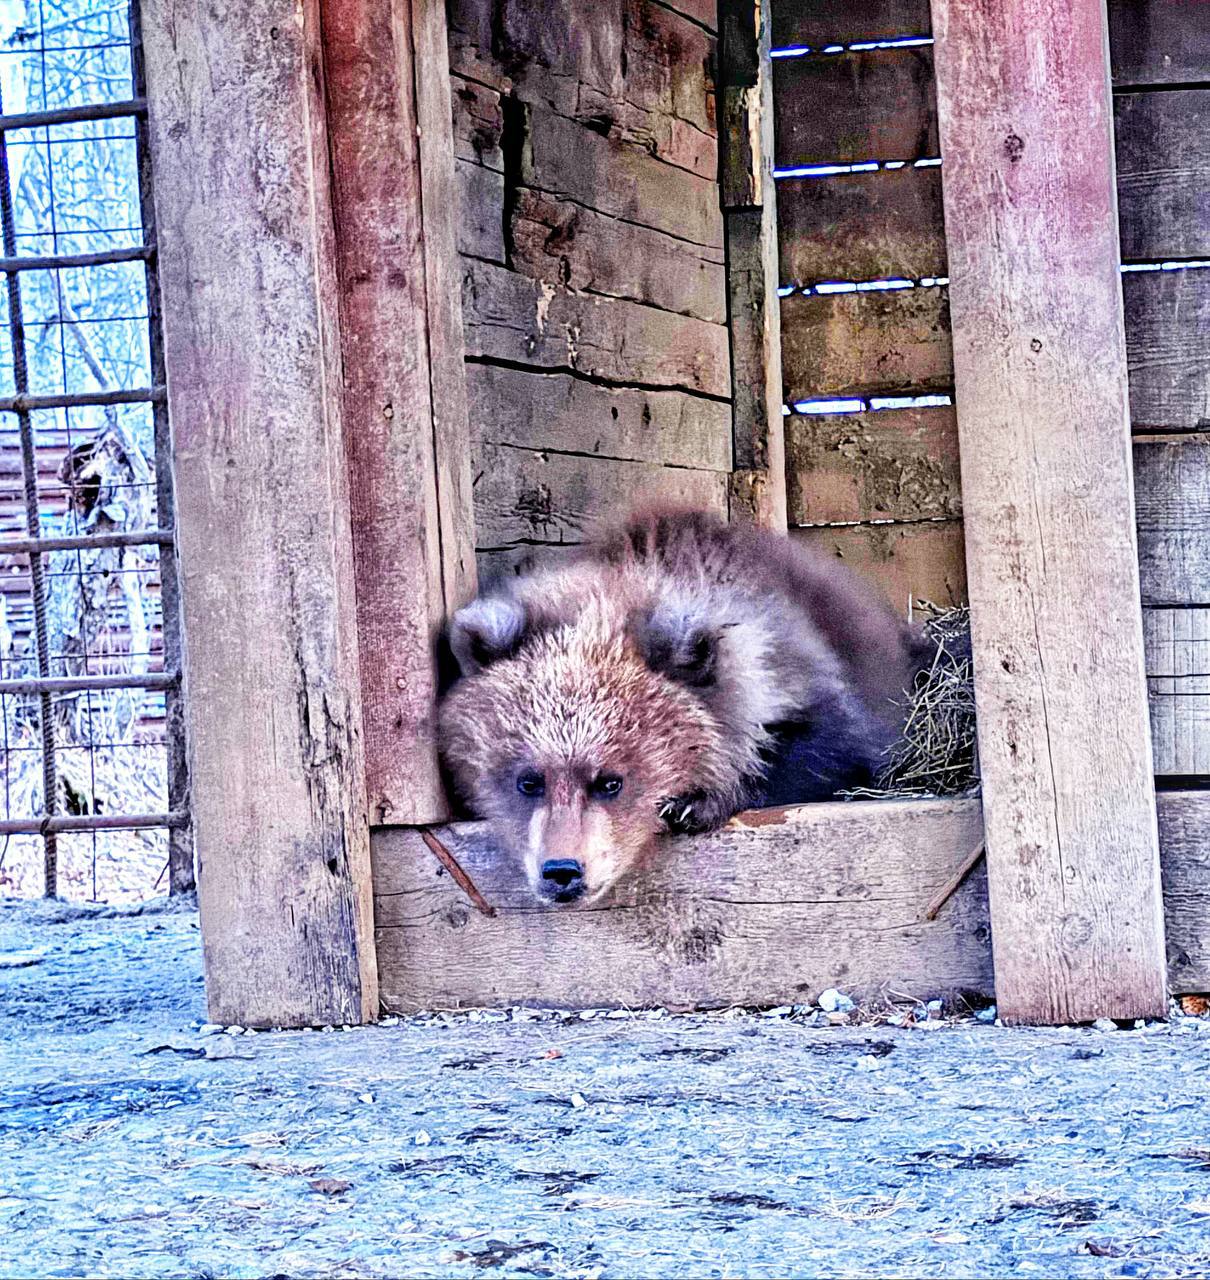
{"x":569,"y":734}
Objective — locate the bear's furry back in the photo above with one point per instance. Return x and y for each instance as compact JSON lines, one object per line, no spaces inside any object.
{"x":801,"y":664}
{"x":839,"y":660}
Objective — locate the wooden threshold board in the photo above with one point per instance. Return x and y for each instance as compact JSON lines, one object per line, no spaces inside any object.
{"x":775,"y":908}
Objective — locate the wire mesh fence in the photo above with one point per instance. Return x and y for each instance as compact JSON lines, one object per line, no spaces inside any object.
{"x":94,"y":789}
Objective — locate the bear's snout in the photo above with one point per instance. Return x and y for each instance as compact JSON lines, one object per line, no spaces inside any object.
{"x":562,"y":879}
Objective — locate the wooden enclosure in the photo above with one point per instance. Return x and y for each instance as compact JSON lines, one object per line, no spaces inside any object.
{"x":487,"y":274}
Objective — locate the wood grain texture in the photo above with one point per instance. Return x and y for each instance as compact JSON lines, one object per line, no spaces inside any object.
{"x":563,"y":241}
{"x":1167,"y":319}
{"x":857,"y":343}
{"x":878,"y":104}
{"x":404,"y":401}
{"x":818,"y":23}
{"x":480,"y":203}
{"x":539,"y":410}
{"x":250,"y":296}
{"x":1164,"y":172}
{"x":447,"y":343}
{"x":612,"y":176}
{"x":529,"y":502}
{"x":1172,"y":509}
{"x":906,"y":561}
{"x":1158,"y":41}
{"x":562,"y":237}
{"x":871,"y":225}
{"x":511,"y":318}
{"x":478,"y":123}
{"x":749,"y":199}
{"x":896,"y":464}
{"x":861,"y":226}
{"x":1184,"y":820}
{"x":774,"y":909}
{"x":635,"y":70}
{"x":702,"y":929}
{"x":1177,"y":642}
{"x":1040,"y":364}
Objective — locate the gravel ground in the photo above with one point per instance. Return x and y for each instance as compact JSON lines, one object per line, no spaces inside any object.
{"x":133,"y":1143}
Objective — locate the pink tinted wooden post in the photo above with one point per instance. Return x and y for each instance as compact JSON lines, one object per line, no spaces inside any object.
{"x":1040,"y":374}
{"x":390,"y":121}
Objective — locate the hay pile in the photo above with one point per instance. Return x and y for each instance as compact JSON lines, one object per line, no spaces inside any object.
{"x":936,"y":755}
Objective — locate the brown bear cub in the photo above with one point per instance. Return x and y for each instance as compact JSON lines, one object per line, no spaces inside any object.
{"x":674,"y":673}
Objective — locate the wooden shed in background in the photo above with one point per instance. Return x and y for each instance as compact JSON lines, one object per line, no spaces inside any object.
{"x":444,"y":289}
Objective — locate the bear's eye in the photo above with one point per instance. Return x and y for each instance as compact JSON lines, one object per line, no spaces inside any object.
{"x":605,"y":785}
{"x":531,"y":783}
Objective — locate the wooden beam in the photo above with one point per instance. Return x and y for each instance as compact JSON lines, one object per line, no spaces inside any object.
{"x":390,"y":124}
{"x":853,"y":883}
{"x":1040,"y":376}
{"x":777,"y":907}
{"x":253,"y":355}
{"x":749,"y":199}
{"x":908,"y":560}
{"x":846,"y":108}
{"x":895,"y":464}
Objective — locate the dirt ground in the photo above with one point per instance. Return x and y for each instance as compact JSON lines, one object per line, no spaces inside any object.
{"x":133,"y":1143}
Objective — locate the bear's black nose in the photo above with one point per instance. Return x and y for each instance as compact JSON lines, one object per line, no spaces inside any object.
{"x":564,"y":877}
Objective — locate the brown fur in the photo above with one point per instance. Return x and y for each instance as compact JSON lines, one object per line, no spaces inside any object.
{"x":704,"y":667}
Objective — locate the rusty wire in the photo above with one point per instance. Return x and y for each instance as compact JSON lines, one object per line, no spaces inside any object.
{"x":60,"y":811}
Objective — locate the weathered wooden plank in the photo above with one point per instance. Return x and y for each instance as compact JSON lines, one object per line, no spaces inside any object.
{"x":613,"y":176}
{"x":565,"y":240}
{"x":855,"y":343}
{"x":634,"y":69}
{"x":1184,"y":821}
{"x":749,"y":200}
{"x":404,"y":402}
{"x":704,"y":927}
{"x":568,"y":244}
{"x":861,"y":226}
{"x":1040,"y":373}
{"x":247,"y":267}
{"x":925,"y":560}
{"x":480,"y":229}
{"x":539,"y":410}
{"x":387,"y":400}
{"x":1164,"y":172}
{"x":1167,"y":320}
{"x":1177,"y":643}
{"x":819,"y":23}
{"x":527,"y":500}
{"x":878,"y":104}
{"x":509,"y":317}
{"x":702,"y":930}
{"x":703,"y":12}
{"x":897,"y":464}
{"x":447,"y":343}
{"x":1172,"y":510}
{"x":478,"y":123}
{"x":1158,"y":41}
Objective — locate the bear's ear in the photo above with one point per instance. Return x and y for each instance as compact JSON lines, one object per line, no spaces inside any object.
{"x":676,"y":644}
{"x":485,"y":631}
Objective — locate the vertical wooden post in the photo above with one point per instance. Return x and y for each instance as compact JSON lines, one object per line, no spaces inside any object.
{"x":390,"y":121}
{"x":248,"y":275}
{"x":1040,"y":371}
{"x":745,"y":139}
